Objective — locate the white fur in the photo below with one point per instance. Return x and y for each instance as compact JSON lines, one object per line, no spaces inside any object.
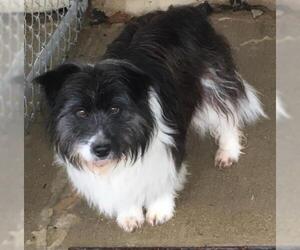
{"x":223,"y":129}
{"x":84,"y":148}
{"x":151,"y":182}
{"x":226,"y":129}
{"x":161,"y":210}
{"x":250,"y":108}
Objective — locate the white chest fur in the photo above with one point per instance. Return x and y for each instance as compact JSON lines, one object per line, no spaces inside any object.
{"x":124,"y":186}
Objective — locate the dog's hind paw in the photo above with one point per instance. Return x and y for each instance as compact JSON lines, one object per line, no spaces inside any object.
{"x":224,"y":159}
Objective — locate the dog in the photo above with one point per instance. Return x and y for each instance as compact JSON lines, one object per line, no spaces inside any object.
{"x":120,"y":126}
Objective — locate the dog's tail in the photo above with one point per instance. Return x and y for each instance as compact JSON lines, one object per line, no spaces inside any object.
{"x":205,"y":8}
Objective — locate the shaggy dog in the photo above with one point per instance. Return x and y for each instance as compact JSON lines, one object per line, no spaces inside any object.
{"x":120,"y":126}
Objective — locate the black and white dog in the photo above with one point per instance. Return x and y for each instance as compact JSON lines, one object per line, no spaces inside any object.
{"x":120,"y":126}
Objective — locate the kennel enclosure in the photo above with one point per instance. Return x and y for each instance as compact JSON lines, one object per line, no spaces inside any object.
{"x":51,"y":28}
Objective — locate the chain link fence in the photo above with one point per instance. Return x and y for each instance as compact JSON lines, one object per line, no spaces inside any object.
{"x":51,"y":28}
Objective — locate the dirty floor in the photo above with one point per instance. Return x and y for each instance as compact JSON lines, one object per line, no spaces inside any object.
{"x":232,"y":207}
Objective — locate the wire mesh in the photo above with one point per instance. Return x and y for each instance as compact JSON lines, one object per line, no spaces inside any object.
{"x":51,"y":28}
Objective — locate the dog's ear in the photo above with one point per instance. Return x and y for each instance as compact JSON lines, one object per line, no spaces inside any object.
{"x":53,"y":80}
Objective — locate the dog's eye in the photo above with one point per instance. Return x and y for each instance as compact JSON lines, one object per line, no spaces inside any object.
{"x":114,"y":110}
{"x":81,"y":113}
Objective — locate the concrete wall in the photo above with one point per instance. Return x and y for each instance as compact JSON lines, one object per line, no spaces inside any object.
{"x":137,"y":7}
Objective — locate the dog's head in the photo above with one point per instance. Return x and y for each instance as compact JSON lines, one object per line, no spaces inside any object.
{"x":99,"y":114}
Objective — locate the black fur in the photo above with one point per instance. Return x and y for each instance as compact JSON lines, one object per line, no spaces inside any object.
{"x":169,"y":52}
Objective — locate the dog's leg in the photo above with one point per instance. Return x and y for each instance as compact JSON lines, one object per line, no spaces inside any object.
{"x":228,"y":103}
{"x":130,"y":219}
{"x":160,"y":210}
{"x":228,"y":138}
{"x":225,"y":131}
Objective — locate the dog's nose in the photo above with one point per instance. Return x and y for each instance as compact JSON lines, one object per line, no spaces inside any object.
{"x":101,"y":150}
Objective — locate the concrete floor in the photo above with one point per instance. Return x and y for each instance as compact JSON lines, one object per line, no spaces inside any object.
{"x":232,"y":207}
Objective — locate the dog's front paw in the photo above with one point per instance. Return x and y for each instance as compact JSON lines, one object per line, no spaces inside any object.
{"x":129,"y":224}
{"x":160,"y":211}
{"x":224,"y":159}
{"x":157,"y":217}
{"x":131,"y":221}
